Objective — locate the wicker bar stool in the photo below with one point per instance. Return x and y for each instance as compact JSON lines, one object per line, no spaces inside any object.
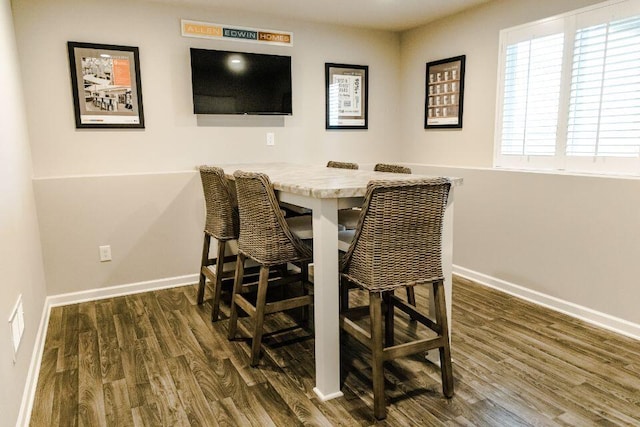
{"x":345,"y":216}
{"x":266,"y":238}
{"x":348,"y":218}
{"x":222,"y":224}
{"x":387,"y":167}
{"x":398,"y":243}
{"x":341,"y":165}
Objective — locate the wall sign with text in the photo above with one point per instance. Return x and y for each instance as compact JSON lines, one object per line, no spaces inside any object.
{"x":209,"y":30}
{"x":347,"y":96}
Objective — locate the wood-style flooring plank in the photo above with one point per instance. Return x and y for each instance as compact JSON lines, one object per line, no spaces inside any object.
{"x":65,"y":409}
{"x":109,"y":348}
{"x":166,"y":396}
{"x":68,"y":354}
{"x":117,"y":404}
{"x":46,"y":392}
{"x":228,"y":415}
{"x":162,"y":329}
{"x":146,"y":415}
{"x":191,"y":396}
{"x":139,"y":315}
{"x":91,"y":409}
{"x":156,"y":359}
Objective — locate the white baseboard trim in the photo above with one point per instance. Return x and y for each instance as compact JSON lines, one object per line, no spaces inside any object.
{"x":29,"y":393}
{"x":603,"y":320}
{"x":116,"y":291}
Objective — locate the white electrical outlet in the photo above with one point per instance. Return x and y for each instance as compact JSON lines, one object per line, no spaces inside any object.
{"x":105,"y":253}
{"x":271,"y":138}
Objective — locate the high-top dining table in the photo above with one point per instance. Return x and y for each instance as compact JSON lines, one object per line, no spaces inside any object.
{"x":325,"y":191}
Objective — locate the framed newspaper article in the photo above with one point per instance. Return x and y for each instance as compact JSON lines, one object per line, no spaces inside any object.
{"x":105,"y":81}
{"x":444,"y":93}
{"x":347,"y":96}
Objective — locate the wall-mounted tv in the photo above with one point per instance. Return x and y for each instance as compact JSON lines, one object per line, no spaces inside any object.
{"x":240,"y":83}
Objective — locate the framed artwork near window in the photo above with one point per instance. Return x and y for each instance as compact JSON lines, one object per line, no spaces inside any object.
{"x":444,"y":93}
{"x":105,"y":82}
{"x":347,"y":96}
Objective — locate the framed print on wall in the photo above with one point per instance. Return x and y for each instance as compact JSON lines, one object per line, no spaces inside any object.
{"x":347,"y":96}
{"x":444,"y":93}
{"x":105,"y":81}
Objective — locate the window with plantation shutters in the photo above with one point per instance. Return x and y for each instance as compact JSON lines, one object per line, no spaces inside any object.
{"x":569,"y":92}
{"x":604,"y":106}
{"x":531,"y":93}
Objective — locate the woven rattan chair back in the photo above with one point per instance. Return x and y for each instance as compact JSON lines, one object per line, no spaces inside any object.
{"x":398,"y":237}
{"x":386,"y":167}
{"x":222,"y":220}
{"x":342,"y":165}
{"x":264,"y":233}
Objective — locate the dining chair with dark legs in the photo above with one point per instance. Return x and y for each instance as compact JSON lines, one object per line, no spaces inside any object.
{"x":398,"y":243}
{"x":266,"y":238}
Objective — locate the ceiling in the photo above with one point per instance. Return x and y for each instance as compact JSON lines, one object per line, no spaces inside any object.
{"x":394,"y":15}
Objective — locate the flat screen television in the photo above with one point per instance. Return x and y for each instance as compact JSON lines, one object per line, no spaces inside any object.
{"x":240,"y":83}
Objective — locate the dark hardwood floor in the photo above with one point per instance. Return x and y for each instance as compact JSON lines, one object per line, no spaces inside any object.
{"x":155,"y":359}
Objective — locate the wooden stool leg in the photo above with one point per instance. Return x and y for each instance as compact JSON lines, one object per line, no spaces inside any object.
{"x":305,"y":279}
{"x":445,"y":350}
{"x":237,"y":285}
{"x":389,"y":321}
{"x":203,"y":264}
{"x":344,"y":295}
{"x":377,"y":359}
{"x":261,"y":302}
{"x":411,"y":297}
{"x":217,"y":289}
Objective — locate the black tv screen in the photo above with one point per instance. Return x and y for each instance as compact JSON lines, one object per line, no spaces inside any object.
{"x":240,"y":83}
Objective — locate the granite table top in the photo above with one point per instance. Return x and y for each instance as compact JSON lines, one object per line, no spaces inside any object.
{"x":320,"y":181}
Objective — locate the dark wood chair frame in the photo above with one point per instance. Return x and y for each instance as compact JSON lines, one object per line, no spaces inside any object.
{"x":266,"y":239}
{"x":359,"y":268}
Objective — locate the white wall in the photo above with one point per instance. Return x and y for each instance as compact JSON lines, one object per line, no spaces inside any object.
{"x":88,"y":188}
{"x":568,"y":237}
{"x":21,"y":270}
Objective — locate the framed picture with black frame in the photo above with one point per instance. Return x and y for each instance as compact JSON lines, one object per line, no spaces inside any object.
{"x":444,"y":93}
{"x":105,"y":82}
{"x":347,"y":96}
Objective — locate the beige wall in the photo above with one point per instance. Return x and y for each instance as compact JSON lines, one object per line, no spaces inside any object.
{"x":88,"y":186}
{"x":21,"y":271}
{"x":570,"y":237}
{"x":153,"y":223}
{"x":172,"y":141}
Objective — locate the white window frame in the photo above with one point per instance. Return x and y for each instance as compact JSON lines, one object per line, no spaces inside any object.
{"x":560,"y":162}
